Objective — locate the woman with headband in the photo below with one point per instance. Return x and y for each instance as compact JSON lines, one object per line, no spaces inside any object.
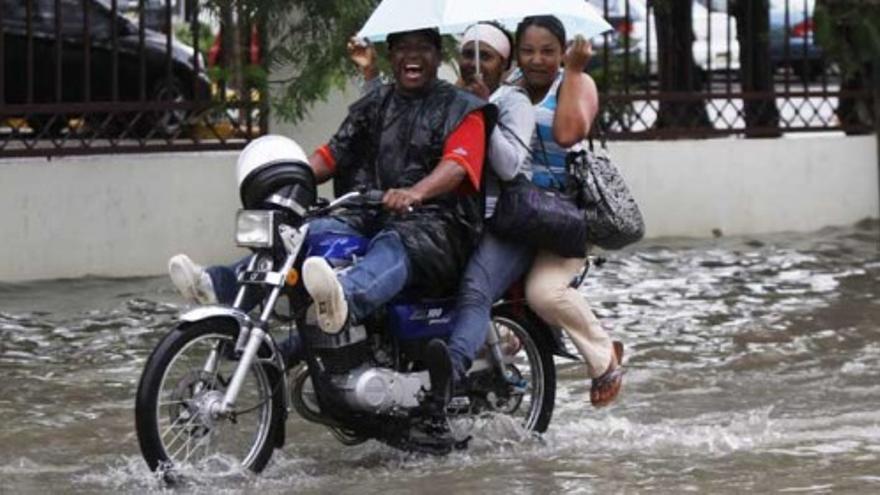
{"x":496,"y":263}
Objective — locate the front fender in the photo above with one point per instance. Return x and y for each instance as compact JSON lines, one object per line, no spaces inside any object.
{"x":244,"y":322}
{"x":205,"y":312}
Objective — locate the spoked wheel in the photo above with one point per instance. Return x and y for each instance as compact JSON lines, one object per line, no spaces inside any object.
{"x":183,"y":384}
{"x":528,"y":392}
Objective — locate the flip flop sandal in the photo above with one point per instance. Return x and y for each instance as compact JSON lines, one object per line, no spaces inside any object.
{"x":605,"y":388}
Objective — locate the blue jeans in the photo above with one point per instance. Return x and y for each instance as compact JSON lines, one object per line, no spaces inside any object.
{"x":374,"y":280}
{"x":377,"y":277}
{"x":495,"y":265}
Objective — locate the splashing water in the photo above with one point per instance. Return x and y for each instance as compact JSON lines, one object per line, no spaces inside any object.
{"x":753,"y":365}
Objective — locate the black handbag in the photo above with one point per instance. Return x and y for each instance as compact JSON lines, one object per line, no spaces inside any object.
{"x":542,"y":218}
{"x":613,"y":219}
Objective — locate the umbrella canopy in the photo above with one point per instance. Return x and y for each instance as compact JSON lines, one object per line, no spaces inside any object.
{"x":454,"y":16}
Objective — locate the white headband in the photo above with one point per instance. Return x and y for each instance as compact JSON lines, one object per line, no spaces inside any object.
{"x":490,"y":35}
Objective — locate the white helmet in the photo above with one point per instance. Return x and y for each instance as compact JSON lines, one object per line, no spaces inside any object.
{"x":271,"y":165}
{"x":267,"y":150}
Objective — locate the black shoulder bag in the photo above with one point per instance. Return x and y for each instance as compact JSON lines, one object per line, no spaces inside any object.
{"x":542,"y":218}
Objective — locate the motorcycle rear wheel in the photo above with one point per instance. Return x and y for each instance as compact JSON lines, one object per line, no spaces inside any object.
{"x":533,"y":364}
{"x":172,"y":418}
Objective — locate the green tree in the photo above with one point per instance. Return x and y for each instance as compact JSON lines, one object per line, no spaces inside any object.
{"x":849,"y":32}
{"x":306,"y":55}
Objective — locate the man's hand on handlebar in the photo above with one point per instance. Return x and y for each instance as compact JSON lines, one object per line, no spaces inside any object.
{"x":401,"y":200}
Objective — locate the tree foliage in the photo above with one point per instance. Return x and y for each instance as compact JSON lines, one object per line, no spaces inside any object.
{"x":306,"y":52}
{"x":849,"y":33}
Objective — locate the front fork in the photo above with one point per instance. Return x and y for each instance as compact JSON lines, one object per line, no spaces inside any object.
{"x":251,"y":337}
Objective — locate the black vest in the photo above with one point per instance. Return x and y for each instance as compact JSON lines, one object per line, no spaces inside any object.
{"x":404,"y":144}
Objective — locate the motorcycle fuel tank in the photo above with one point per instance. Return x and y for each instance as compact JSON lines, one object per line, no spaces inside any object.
{"x":338,"y":249}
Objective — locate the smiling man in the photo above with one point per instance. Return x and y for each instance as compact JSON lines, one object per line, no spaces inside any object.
{"x":420,"y":140}
{"x":423,"y":142}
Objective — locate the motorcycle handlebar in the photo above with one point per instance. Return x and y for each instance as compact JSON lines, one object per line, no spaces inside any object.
{"x":368,"y":198}
{"x":373,"y":197}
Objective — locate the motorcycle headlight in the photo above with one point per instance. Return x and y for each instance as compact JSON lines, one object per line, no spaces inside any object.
{"x":255,"y":228}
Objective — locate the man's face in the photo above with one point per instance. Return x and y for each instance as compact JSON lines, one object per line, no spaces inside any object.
{"x":414,"y":61}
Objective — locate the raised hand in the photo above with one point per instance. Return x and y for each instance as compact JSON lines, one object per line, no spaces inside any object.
{"x":578,"y":54}
{"x":478,"y":87}
{"x":363,"y":54}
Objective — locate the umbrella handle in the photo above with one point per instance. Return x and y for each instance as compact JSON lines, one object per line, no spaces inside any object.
{"x":477,"y":51}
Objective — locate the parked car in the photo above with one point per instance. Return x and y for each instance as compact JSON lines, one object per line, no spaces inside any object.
{"x":183,"y":83}
{"x":804,"y":54}
{"x":153,"y":12}
{"x":709,"y":54}
{"x":620,"y":40}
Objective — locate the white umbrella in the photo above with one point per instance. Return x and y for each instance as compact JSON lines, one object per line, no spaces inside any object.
{"x":454,"y":16}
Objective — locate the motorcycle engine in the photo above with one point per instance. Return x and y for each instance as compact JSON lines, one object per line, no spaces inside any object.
{"x":349,"y":359}
{"x":382,"y":390}
{"x":341,"y":352}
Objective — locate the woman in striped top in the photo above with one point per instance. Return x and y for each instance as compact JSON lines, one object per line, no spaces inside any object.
{"x":566,"y":101}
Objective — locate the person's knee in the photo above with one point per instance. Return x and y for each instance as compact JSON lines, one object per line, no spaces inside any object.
{"x":474,"y":289}
{"x":543,"y":299}
{"x":392,"y":245}
{"x":388,"y":237}
{"x":474,"y":298}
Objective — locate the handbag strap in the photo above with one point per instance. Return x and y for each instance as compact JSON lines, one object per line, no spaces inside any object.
{"x":510,"y":131}
{"x":603,"y":138}
{"x":529,"y":149}
{"x":546,"y":163}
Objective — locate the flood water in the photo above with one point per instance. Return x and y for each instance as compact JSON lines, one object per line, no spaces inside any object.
{"x":754,"y":366}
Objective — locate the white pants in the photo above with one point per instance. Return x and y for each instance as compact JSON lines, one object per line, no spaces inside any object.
{"x":549,"y":295}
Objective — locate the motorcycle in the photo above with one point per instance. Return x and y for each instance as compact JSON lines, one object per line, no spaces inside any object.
{"x":220,"y":382}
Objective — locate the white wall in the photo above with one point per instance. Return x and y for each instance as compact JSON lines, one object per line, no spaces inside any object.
{"x":125,"y":215}
{"x":113,"y":215}
{"x":747,"y":186}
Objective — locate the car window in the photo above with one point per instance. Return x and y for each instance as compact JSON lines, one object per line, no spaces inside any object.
{"x":792,"y":5}
{"x":15,"y":15}
{"x":72,"y":17}
{"x":617,"y":8}
{"x":715,"y":5}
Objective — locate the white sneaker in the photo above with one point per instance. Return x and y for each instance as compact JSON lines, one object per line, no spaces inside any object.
{"x":191,"y":280}
{"x":320,"y":280}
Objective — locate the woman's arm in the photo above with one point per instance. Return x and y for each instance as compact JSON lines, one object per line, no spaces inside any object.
{"x":578,"y":101}
{"x":509,"y":142}
{"x":363,"y":55}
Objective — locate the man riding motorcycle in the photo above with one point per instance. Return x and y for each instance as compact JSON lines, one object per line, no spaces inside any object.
{"x":391,"y":141}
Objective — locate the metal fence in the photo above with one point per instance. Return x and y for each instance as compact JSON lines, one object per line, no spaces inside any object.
{"x":738,"y":79}
{"x":114,"y":76}
{"x":110,"y":76}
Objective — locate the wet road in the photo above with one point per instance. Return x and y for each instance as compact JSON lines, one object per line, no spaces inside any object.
{"x":754,"y":365}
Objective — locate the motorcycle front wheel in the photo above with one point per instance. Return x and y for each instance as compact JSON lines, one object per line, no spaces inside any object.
{"x":183,"y":380}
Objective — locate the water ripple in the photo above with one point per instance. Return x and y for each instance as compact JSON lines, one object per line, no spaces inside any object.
{"x":753,"y":363}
